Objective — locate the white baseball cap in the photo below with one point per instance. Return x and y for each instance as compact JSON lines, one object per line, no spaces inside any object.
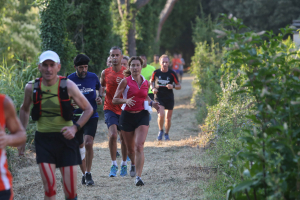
{"x":49,"y":55}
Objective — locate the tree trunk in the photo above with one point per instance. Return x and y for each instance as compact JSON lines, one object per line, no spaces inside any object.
{"x":131,"y":43}
{"x":131,"y":37}
{"x":164,"y":14}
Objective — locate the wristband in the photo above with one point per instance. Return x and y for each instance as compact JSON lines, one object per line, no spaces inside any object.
{"x":174,"y":85}
{"x":100,"y":96}
{"x":78,"y":126}
{"x":151,"y":103}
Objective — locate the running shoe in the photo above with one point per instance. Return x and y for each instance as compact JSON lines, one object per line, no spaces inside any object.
{"x":132,"y":171}
{"x":123,"y":170}
{"x":88,"y":178}
{"x":128,"y":159}
{"x":167,"y":137}
{"x":83,"y":180}
{"x":160,"y":135}
{"x":139,"y":181}
{"x":118,"y":154}
{"x":113,"y":171}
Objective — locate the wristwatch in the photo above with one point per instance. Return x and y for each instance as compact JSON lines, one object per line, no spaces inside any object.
{"x":174,"y":85}
{"x":100,"y":96}
{"x":78,"y":126}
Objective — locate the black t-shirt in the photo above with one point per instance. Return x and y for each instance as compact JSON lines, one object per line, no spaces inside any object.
{"x":161,"y":79}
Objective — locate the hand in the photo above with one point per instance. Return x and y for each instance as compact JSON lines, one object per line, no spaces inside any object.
{"x":169,"y":86}
{"x":69,"y":132}
{"x":21,"y":149}
{"x":99,"y":100}
{"x":3,"y":138}
{"x":118,"y":79}
{"x":130,"y":102}
{"x":154,"y":90}
{"x":155,"y":105}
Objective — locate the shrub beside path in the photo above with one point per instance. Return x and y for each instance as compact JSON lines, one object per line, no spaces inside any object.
{"x":171,"y":169}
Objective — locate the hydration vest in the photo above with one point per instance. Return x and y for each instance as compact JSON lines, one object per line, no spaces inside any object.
{"x":66,"y":109}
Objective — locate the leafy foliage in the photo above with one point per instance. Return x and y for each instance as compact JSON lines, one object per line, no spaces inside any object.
{"x":265,"y":159}
{"x":89,"y":27}
{"x":19,"y":32}
{"x":206,"y":67}
{"x":53,"y":32}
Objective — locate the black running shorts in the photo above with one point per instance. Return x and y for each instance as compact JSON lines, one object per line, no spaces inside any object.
{"x":151,"y":95}
{"x":6,"y":194}
{"x":89,"y":128}
{"x":54,"y":148}
{"x":130,"y":121}
{"x":167,"y":103}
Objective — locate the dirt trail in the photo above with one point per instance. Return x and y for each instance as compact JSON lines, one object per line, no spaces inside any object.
{"x":170,"y":172}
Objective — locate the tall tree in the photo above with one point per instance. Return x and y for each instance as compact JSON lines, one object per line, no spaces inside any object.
{"x":128,"y":11}
{"x":89,"y":27}
{"x":164,"y":14}
{"x":53,"y":32}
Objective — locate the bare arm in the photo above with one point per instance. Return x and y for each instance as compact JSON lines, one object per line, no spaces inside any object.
{"x":25,"y":112}
{"x":25,"y":107}
{"x":102,"y":82}
{"x":81,"y":101}
{"x":18,"y":133}
{"x":117,"y":100}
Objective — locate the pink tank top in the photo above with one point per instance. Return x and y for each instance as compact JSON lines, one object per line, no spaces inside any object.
{"x":140,"y":94}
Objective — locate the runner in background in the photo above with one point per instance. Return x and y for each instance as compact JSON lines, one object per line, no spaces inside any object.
{"x":124,"y":61}
{"x":108,"y":62}
{"x":110,"y":78}
{"x":147,"y":71}
{"x":54,"y":139}
{"x":17,"y":137}
{"x":163,"y":81}
{"x":134,"y":120}
{"x":175,"y":63}
{"x":155,"y":62}
{"x":88,"y":84}
{"x":181,"y":67}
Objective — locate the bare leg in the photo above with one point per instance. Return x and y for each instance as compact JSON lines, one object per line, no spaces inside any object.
{"x":168,"y":120}
{"x":160,"y":118}
{"x":69,"y":175}
{"x":83,"y":165}
{"x":123,"y":148}
{"x":129,"y":140}
{"x":47,"y":172}
{"x":89,"y":155}
{"x":140,"y":138}
{"x":113,"y":136}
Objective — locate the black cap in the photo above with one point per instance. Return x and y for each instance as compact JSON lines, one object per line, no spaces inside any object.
{"x":81,"y":59}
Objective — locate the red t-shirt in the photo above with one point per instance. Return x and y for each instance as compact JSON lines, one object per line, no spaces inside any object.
{"x":176,"y":62}
{"x":110,"y":81}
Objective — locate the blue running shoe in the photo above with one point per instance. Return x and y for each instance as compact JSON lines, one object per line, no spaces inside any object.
{"x":160,"y":135}
{"x":128,"y":159}
{"x":113,"y":171}
{"x":167,"y":137}
{"x":123,"y":170}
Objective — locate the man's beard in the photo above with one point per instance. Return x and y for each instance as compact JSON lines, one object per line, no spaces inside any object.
{"x":81,"y":74}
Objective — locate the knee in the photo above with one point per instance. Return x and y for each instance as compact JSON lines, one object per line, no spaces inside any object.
{"x":51,"y":190}
{"x":161,"y":116}
{"x":130,"y":150}
{"x":113,"y":136}
{"x":139,"y":147}
{"x":168,"y":119}
{"x":89,"y":145}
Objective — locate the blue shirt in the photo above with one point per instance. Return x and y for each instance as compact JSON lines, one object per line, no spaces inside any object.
{"x":87,"y":87}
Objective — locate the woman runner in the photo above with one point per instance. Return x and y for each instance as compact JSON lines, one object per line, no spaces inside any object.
{"x":134,"y":119}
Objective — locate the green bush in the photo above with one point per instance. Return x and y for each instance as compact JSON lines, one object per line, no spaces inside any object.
{"x":206,"y":67}
{"x":263,"y":156}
